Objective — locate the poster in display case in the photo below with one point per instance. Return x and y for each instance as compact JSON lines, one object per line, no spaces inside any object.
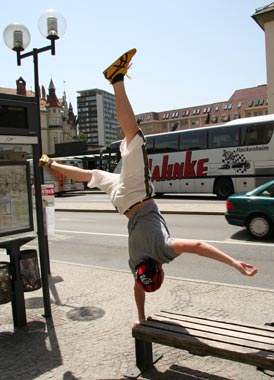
{"x":15,"y":198}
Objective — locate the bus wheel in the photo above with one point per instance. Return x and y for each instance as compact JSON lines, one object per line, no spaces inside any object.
{"x":223,"y":188}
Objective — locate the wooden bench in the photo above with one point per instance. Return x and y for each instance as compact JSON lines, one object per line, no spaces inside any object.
{"x":249,"y":344}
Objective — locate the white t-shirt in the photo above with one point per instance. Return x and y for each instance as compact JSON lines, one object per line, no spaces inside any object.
{"x":133,"y":184}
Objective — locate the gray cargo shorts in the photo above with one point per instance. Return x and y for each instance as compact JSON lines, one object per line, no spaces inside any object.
{"x":148,"y":237}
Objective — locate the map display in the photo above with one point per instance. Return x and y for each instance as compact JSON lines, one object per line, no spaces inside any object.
{"x":15,"y":198}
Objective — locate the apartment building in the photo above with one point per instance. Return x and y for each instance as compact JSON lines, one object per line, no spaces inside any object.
{"x":97,"y":119}
{"x":242,"y":103}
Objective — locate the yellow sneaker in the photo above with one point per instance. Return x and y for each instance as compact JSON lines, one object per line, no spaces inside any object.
{"x":120,"y":66}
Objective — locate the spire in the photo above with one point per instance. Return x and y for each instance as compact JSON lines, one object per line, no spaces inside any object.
{"x":52,"y":100}
{"x":51,"y":85}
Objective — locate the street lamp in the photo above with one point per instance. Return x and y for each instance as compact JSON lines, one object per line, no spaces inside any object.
{"x":52,"y":25}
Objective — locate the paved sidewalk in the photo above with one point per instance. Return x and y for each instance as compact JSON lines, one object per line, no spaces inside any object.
{"x":89,"y":335}
{"x":165,"y":208}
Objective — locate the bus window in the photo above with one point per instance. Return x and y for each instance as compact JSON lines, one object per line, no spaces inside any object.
{"x":221,"y":137}
{"x":114,"y":155}
{"x":149,"y":144}
{"x":166,"y":143}
{"x":193,"y":140}
{"x":257,"y":134}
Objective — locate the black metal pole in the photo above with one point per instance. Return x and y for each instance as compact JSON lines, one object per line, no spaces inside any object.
{"x":42,"y":238}
{"x":37,"y":96}
{"x":42,"y":243}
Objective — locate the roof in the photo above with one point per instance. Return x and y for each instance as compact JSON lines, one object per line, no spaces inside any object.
{"x":12,"y":91}
{"x":264,"y":14}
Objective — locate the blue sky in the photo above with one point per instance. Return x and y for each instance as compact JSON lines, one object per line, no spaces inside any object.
{"x":188,"y":52}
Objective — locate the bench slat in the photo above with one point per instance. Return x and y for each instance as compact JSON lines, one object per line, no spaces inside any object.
{"x":231,"y":325}
{"x":244,"y":334}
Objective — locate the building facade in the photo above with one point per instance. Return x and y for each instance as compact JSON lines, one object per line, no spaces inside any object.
{"x":58,"y":122}
{"x":242,"y":103}
{"x":264,"y":17}
{"x":97,"y":119}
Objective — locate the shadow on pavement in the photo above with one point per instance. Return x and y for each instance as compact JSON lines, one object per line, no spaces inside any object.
{"x":244,"y":236}
{"x":27,"y":346}
{"x":176,"y":372}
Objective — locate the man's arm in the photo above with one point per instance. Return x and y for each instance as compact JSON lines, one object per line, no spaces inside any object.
{"x":207,"y":250}
{"x":73,"y":172}
{"x":140,"y":296}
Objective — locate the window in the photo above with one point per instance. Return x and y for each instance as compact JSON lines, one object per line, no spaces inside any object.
{"x":269,"y":192}
{"x":239,"y":105}
{"x":256,"y":134}
{"x":166,"y":143}
{"x":193,"y":140}
{"x":216,"y":108}
{"x":149,"y":145}
{"x":195,"y":122}
{"x":225,"y":118}
{"x":223,"y":136}
{"x":184,"y":123}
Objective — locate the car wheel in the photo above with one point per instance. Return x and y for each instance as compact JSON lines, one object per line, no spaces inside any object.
{"x":259,"y":226}
{"x":223,"y":187}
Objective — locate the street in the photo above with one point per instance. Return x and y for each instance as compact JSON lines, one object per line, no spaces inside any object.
{"x":100,"y":239}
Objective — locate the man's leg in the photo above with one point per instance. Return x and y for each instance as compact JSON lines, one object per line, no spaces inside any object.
{"x":124,"y":111}
{"x":115,"y":75}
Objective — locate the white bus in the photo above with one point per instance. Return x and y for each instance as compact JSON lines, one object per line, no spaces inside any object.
{"x":224,"y":159}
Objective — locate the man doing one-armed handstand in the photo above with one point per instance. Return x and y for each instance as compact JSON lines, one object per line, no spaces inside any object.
{"x":131,"y":192}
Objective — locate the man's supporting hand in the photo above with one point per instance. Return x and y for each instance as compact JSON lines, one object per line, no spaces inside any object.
{"x":45,"y":161}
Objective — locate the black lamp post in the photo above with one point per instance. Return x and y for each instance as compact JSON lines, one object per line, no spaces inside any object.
{"x":17,"y":37}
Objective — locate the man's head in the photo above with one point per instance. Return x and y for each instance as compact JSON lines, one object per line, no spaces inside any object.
{"x":149,"y":275}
